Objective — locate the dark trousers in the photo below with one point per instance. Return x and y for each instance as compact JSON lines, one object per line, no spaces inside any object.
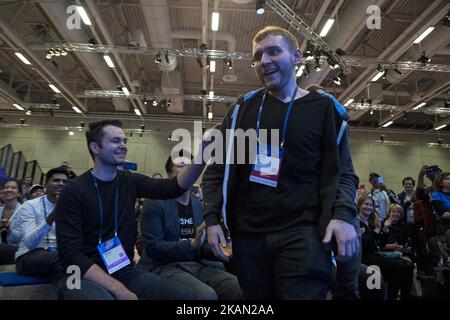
{"x":7,"y":252}
{"x":397,"y":272}
{"x":146,"y":285}
{"x":286,"y":264}
{"x":208,"y":282}
{"x":40,"y":263}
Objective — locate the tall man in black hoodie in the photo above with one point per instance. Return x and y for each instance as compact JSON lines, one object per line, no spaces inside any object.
{"x":292,"y":198}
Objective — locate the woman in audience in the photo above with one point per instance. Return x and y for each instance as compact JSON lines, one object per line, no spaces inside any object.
{"x":440,"y":200}
{"x":395,"y":235}
{"x":396,"y":271}
{"x":10,"y":235}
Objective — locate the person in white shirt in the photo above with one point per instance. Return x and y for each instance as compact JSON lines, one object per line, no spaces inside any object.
{"x":37,"y":255}
{"x":382,"y":196}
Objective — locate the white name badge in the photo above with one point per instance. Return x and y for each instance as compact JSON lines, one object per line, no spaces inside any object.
{"x":113,"y":255}
{"x":266,"y":169}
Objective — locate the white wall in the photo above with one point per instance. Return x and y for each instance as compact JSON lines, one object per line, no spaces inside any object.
{"x":51,"y":147}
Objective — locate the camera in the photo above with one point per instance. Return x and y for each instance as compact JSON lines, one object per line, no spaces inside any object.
{"x":432,"y":171}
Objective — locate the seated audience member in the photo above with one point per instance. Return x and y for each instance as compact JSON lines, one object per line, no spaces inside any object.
{"x":9,"y":229}
{"x":174,"y":250}
{"x":96,"y":227}
{"x":25,"y":186}
{"x":36,"y":191}
{"x":381,"y":195}
{"x":395,"y":235}
{"x":396,"y":271}
{"x":37,"y":254}
{"x":440,"y":200}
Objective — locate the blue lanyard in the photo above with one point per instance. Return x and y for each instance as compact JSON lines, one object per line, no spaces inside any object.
{"x":286,"y":117}
{"x":45,"y":215}
{"x":100,"y":204}
{"x":45,"y":208}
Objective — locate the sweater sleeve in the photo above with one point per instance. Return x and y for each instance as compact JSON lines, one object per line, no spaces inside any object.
{"x":150,"y":188}
{"x":69,"y":229}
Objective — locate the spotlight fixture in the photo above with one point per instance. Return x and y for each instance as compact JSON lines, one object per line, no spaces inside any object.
{"x":145,"y":102}
{"x":260,"y":6}
{"x":82,"y":124}
{"x":398,"y":71}
{"x":405,"y":116}
{"x":439,"y":141}
{"x":380,"y":68}
{"x":339,"y":78}
{"x":333,"y":64}
{"x":92,"y":42}
{"x":155,"y":102}
{"x":317,"y":60}
{"x":382,"y":137}
{"x":228,"y":63}
{"x":140,"y":135}
{"x":371,"y":111}
{"x":158,"y":58}
{"x":340,"y":52}
{"x":22,"y":121}
{"x":423,"y":58}
{"x":199,"y":62}
{"x":142,"y":127}
{"x":169,"y":102}
{"x":210,"y":113}
{"x":28,"y":113}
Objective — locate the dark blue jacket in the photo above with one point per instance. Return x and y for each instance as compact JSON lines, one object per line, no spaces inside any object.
{"x":160,"y":227}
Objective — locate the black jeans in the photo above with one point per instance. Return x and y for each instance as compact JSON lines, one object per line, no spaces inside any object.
{"x":286,"y":264}
{"x":146,"y":285}
{"x":40,"y":263}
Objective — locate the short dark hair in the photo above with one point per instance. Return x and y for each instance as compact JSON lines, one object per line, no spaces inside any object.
{"x":57,"y":170}
{"x":408,"y":178}
{"x":19,"y":185}
{"x":95,"y":132}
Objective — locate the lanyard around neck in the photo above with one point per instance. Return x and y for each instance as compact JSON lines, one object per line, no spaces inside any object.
{"x":286,"y":117}
{"x":100,"y":204}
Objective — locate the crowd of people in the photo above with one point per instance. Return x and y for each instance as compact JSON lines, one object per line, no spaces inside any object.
{"x":281,"y":225}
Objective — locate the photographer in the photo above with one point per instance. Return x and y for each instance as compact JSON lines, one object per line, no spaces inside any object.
{"x":423,"y":205}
